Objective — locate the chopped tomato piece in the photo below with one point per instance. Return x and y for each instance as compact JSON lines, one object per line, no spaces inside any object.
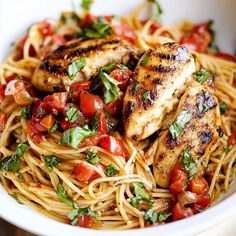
{"x":123,"y":76}
{"x":90,"y":103}
{"x":78,"y":87}
{"x":2,"y":92}
{"x":124,"y":31}
{"x":113,"y":145}
{"x":3,"y":121}
{"x":198,"y":185}
{"x":115,"y":107}
{"x":58,"y":39}
{"x":35,"y":130}
{"x":225,"y":56}
{"x":232,"y":139}
{"x":89,"y":18}
{"x":46,"y":28}
{"x":198,"y":39}
{"x":155,"y":26}
{"x":102,"y":124}
{"x":202,"y":202}
{"x":85,"y":221}
{"x":47,"y":122}
{"x":84,"y":173}
{"x":55,"y":101}
{"x":178,"y":179}
{"x":180,"y":212}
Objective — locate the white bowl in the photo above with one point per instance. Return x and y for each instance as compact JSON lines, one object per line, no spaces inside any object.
{"x":16,"y":16}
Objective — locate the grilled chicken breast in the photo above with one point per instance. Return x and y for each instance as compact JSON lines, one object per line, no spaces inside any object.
{"x":199,"y":113}
{"x":53,"y":69}
{"x":160,"y":78}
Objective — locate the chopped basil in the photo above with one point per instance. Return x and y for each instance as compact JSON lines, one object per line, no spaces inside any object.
{"x":74,"y":136}
{"x":76,"y":66}
{"x":223,"y":108}
{"x":54,"y":128}
{"x":153,"y":217}
{"x":12,"y":163}
{"x":73,"y":215}
{"x":122,"y":67}
{"x":144,"y":60}
{"x":147,"y":95}
{"x":111,"y":90}
{"x":92,"y":157}
{"x":202,"y":76}
{"x":135,"y":87}
{"x":94,"y":122}
{"x":14,"y":196}
{"x":194,"y":56}
{"x":157,"y":10}
{"x":41,"y":112}
{"x":61,"y":193}
{"x":205,"y":101}
{"x":26,"y":112}
{"x":226,"y":149}
{"x":177,"y":127}
{"x":140,"y":194}
{"x":52,"y":161}
{"x":189,"y":164}
{"x":111,"y":170}
{"x":72,"y":114}
{"x":85,"y":4}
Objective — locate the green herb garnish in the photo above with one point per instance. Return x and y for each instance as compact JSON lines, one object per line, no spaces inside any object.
{"x":54,"y":128}
{"x":189,"y":164}
{"x":147,"y":95}
{"x":92,"y":157}
{"x":140,"y":194}
{"x":26,"y":112}
{"x":86,"y":4}
{"x":153,"y":217}
{"x":52,"y":161}
{"x":76,"y":66}
{"x":202,"y":76}
{"x":208,"y":102}
{"x":144,"y":60}
{"x":72,"y":114}
{"x":111,"y":170}
{"x":226,"y":149}
{"x":157,"y":10}
{"x":223,"y":108}
{"x":94,"y":121}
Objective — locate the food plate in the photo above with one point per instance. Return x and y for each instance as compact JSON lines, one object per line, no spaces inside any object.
{"x":16,"y":16}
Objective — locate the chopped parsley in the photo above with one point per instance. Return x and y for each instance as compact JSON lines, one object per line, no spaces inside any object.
{"x":86,"y":4}
{"x":144,"y":60}
{"x":92,"y":157}
{"x":157,"y":10}
{"x":226,"y":149}
{"x":189,"y":164}
{"x":76,"y":66}
{"x":111,"y":170}
{"x":177,"y":127}
{"x":61,"y":193}
{"x":72,"y":114}
{"x":74,"y":136}
{"x":26,"y":112}
{"x":202,"y":76}
{"x":223,"y":108}
{"x":147,"y":95}
{"x":140,"y":194}
{"x":12,"y":163}
{"x":52,"y":161}
{"x":153,"y":217}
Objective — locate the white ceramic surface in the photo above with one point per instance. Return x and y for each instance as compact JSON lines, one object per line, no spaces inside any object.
{"x":17,"y":15}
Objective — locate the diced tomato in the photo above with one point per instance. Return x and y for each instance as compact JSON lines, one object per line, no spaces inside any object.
{"x":55,"y":101}
{"x":225,"y":56}
{"x":155,"y":26}
{"x":58,"y":39}
{"x":198,"y":185}
{"x":2,"y":92}
{"x":11,"y":77}
{"x":84,"y":173}
{"x":113,"y":145}
{"x":198,"y":39}
{"x":115,"y":107}
{"x":123,"y":76}
{"x":202,"y":202}
{"x":3,"y":121}
{"x":89,"y":18}
{"x":102,"y":124}
{"x":18,"y":90}
{"x":85,"y":221}
{"x":124,"y":31}
{"x":232,"y":139}
{"x":78,"y":87}
{"x":180,"y":212}
{"x":35,"y":130}
{"x":178,"y":179}
{"x":46,"y":28}
{"x":90,"y":103}
{"x":47,"y":122}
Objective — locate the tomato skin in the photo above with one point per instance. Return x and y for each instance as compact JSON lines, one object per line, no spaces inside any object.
{"x":198,"y":185}
{"x":2,"y":92}
{"x":225,"y":56}
{"x":198,"y":39}
{"x":35,"y":130}
{"x":46,"y":28}
{"x":202,"y":202}
{"x":232,"y":139}
{"x":123,"y":76}
{"x":178,"y":180}
{"x":124,"y":31}
{"x":85,"y":221}
{"x":55,"y":101}
{"x":113,"y":145}
{"x":84,"y":173}
{"x":102,"y":124}
{"x":180,"y":212}
{"x":77,"y":88}
{"x":47,"y":122}
{"x":90,"y":103}
{"x":3,"y":121}
{"x":89,"y":18}
{"x":115,"y":107}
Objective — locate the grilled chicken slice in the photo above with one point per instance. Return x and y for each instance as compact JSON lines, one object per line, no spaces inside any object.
{"x":160,"y":78}
{"x":52,"y":71}
{"x":198,"y":114}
